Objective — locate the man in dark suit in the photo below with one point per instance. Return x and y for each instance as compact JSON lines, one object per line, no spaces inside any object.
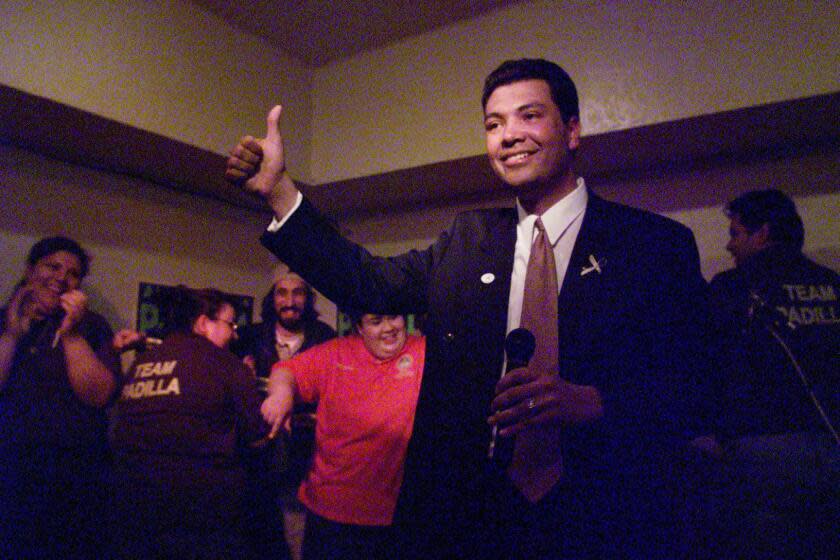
{"x":622,"y":396}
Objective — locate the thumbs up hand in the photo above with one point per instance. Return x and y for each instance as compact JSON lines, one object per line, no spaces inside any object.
{"x":259,"y":165}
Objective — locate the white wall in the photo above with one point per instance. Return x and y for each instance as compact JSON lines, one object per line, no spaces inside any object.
{"x":634,"y":62}
{"x":135,"y":232}
{"x":165,"y":66}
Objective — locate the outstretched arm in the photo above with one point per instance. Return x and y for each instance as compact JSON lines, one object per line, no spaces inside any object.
{"x":259,"y":165}
{"x":277,"y":407}
{"x":128,"y":339}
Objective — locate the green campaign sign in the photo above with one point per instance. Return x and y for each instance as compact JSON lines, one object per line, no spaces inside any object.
{"x":152,"y":300}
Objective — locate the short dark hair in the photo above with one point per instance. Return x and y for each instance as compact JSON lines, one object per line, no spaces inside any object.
{"x":772,"y":207}
{"x":357,"y":316}
{"x":186,"y":305}
{"x":563,"y":90}
{"x":50,"y":245}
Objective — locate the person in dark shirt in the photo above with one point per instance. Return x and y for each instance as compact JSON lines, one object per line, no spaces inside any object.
{"x":185,"y":409}
{"x":777,"y":320}
{"x":57,"y":374}
{"x":289,"y":326}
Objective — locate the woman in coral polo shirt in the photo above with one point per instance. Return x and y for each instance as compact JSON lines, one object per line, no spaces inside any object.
{"x":366,"y":387}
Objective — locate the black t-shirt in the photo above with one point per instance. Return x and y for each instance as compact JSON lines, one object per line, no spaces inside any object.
{"x":761,"y":392}
{"x":37,"y":404}
{"x":186,"y":401}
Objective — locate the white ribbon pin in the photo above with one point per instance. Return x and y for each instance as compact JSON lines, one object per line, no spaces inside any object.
{"x":596,"y":265}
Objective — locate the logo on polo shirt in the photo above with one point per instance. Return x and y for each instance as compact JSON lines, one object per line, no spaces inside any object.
{"x":405,"y":366}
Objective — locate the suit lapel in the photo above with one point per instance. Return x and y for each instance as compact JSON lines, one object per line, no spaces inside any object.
{"x":584,"y":284}
{"x":498,"y":245}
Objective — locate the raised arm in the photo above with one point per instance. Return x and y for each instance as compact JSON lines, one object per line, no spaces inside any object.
{"x":128,"y":339}
{"x":92,"y":380}
{"x":15,"y":325}
{"x":259,"y":165}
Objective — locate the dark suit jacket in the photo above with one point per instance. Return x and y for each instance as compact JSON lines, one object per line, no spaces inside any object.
{"x":631,"y":330}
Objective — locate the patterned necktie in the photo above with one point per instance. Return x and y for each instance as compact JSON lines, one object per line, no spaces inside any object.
{"x":537,"y":463}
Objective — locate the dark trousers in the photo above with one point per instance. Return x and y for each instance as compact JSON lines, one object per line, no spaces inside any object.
{"x":263,"y":514}
{"x":599,"y":519}
{"x":779,"y":497}
{"x":52,"y":502}
{"x":324,"y":540}
{"x":197,"y":517}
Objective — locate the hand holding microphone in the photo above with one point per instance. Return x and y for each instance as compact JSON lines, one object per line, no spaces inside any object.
{"x":519,"y":348}
{"x":528,"y":396}
{"x":73,"y":307}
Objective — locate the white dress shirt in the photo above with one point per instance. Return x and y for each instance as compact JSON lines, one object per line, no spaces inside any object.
{"x":562,"y":224}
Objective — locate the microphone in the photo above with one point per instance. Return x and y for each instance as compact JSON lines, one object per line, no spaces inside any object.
{"x":519,"y":349}
{"x":759,"y":310}
{"x":50,"y":328}
{"x":56,"y":320}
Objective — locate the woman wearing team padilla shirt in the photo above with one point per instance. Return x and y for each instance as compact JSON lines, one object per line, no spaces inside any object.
{"x":186,"y":407}
{"x":365,"y":386}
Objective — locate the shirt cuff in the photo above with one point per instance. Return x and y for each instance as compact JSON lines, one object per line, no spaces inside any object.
{"x":277,"y":224}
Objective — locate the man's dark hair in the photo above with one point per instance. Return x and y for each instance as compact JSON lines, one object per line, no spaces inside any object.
{"x":357,"y":316}
{"x":771,"y":207}
{"x":563,"y":90}
{"x":49,"y":245}
{"x":269,"y":314}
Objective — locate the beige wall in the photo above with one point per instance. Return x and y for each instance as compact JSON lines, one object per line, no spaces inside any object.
{"x":634,"y":62}
{"x":161,"y":65}
{"x":139,"y":232}
{"x":135,"y":232}
{"x":167,"y":67}
{"x":709,"y":224}
{"x":812,"y":179}
{"x":819,"y":213}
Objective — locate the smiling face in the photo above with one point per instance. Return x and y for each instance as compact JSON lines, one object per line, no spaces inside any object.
{"x":290,"y":301}
{"x":50,"y":277}
{"x":529,"y":146}
{"x":384,"y":335}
